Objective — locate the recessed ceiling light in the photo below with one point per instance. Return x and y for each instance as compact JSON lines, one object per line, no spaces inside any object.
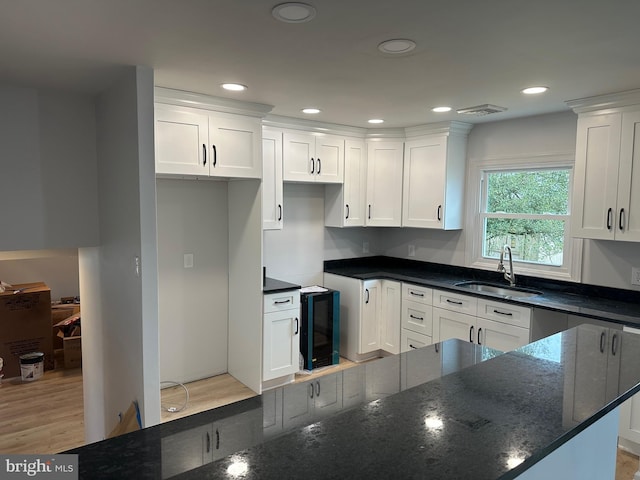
{"x":234,"y":87}
{"x":534,"y":90}
{"x":311,"y":111}
{"x":376,"y":120}
{"x":397,"y":46}
{"x":441,"y":109}
{"x":293,"y":12}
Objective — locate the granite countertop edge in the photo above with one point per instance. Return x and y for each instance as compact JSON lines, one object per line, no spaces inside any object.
{"x":556,"y":296}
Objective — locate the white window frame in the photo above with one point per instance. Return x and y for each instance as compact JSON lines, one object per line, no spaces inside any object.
{"x":571,"y":269}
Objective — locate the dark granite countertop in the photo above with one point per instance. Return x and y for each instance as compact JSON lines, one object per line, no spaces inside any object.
{"x":603,"y":303}
{"x":449,"y":413}
{"x":271,"y":285}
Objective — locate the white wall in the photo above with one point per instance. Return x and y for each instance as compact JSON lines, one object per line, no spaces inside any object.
{"x":57,"y":268}
{"x":193,"y":308}
{"x":121,"y":352}
{"x":48,"y":166}
{"x":296,"y":253}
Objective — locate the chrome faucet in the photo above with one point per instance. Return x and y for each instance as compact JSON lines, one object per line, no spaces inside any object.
{"x":508,"y":276}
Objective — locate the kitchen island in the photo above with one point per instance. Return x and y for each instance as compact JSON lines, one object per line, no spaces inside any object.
{"x":476,"y":414}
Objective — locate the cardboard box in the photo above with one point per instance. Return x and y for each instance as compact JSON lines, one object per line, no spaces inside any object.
{"x":72,"y":352}
{"x":25,"y":325}
{"x":58,"y":313}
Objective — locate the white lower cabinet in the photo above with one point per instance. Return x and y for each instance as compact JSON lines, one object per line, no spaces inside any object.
{"x":411,"y":340}
{"x":495,"y":324}
{"x":281,"y":335}
{"x":416,"y":317}
{"x":307,"y":402}
{"x":629,"y":433}
{"x":369,"y":316}
{"x":198,"y":446}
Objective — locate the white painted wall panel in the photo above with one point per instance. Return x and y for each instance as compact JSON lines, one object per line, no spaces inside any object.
{"x":193,"y":302}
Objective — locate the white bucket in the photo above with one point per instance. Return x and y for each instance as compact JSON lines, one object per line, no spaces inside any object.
{"x":31,"y":366}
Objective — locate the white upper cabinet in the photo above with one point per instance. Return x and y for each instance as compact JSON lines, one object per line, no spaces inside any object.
{"x":345,"y":204}
{"x":384,"y":183}
{"x":236,"y":147}
{"x":629,"y":179}
{"x":606,"y":183}
{"x":182,"y":136}
{"x":194,"y":141}
{"x":310,"y":157}
{"x":433,"y":184}
{"x":272,"y":208}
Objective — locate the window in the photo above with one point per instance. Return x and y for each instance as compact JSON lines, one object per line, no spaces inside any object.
{"x":527,"y":206}
{"x":527,"y":210}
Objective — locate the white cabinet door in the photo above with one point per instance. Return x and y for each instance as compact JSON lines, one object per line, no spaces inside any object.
{"x":184,"y":451}
{"x":417,"y":317}
{"x":628,"y":213}
{"x":448,"y":324}
{"x":424,"y":182}
{"x":272,"y":213}
{"x":297,"y":405}
{"x":281,"y":344}
{"x":390,"y":316}
{"x":298,"y":156}
{"x":595,"y":179}
{"x":329,"y":158}
{"x":327,"y":395}
{"x":382,"y":377}
{"x":500,"y":336}
{"x":410,"y":340}
{"x":369,"y":328}
{"x":312,"y":158}
{"x":236,"y":146}
{"x":629,"y":410}
{"x":353,"y":386}
{"x":384,"y":184}
{"x":344,"y":205}
{"x":182,"y":139}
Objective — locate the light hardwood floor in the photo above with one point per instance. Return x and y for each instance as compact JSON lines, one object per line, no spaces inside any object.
{"x":46,"y":416}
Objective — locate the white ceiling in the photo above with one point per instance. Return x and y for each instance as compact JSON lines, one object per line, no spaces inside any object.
{"x":469,"y":52}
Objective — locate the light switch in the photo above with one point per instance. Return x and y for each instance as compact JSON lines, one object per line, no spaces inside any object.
{"x":188,"y":260}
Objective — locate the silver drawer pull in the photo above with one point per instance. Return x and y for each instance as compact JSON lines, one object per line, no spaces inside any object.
{"x":453,"y":301}
{"x":509,"y":314}
{"x":416,"y":294}
{"x":416,"y":317}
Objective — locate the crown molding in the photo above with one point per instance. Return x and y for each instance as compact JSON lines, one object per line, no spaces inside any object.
{"x":208,"y":102}
{"x":603,"y":102}
{"x":280,"y":121}
{"x":446,"y":128}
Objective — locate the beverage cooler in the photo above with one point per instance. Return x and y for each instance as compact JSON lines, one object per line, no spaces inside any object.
{"x":320,"y":333}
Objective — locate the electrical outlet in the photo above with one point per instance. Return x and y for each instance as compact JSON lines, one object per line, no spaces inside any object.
{"x":188,"y":260}
{"x":412,"y":250}
{"x":365,"y":247}
{"x":635,"y":276}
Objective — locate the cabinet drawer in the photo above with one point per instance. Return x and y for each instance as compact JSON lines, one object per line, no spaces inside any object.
{"x":416,"y":293}
{"x":455,"y":302}
{"x":412,"y":340}
{"x":504,"y":312}
{"x":276,"y":302}
{"x":417,"y":317}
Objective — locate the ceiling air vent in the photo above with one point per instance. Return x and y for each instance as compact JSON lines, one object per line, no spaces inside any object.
{"x":485,"y":109}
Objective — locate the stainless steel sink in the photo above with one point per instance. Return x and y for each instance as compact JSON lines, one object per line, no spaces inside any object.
{"x":505,"y":291}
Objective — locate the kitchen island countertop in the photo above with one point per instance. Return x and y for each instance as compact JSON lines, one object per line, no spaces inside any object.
{"x":495,"y":419}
